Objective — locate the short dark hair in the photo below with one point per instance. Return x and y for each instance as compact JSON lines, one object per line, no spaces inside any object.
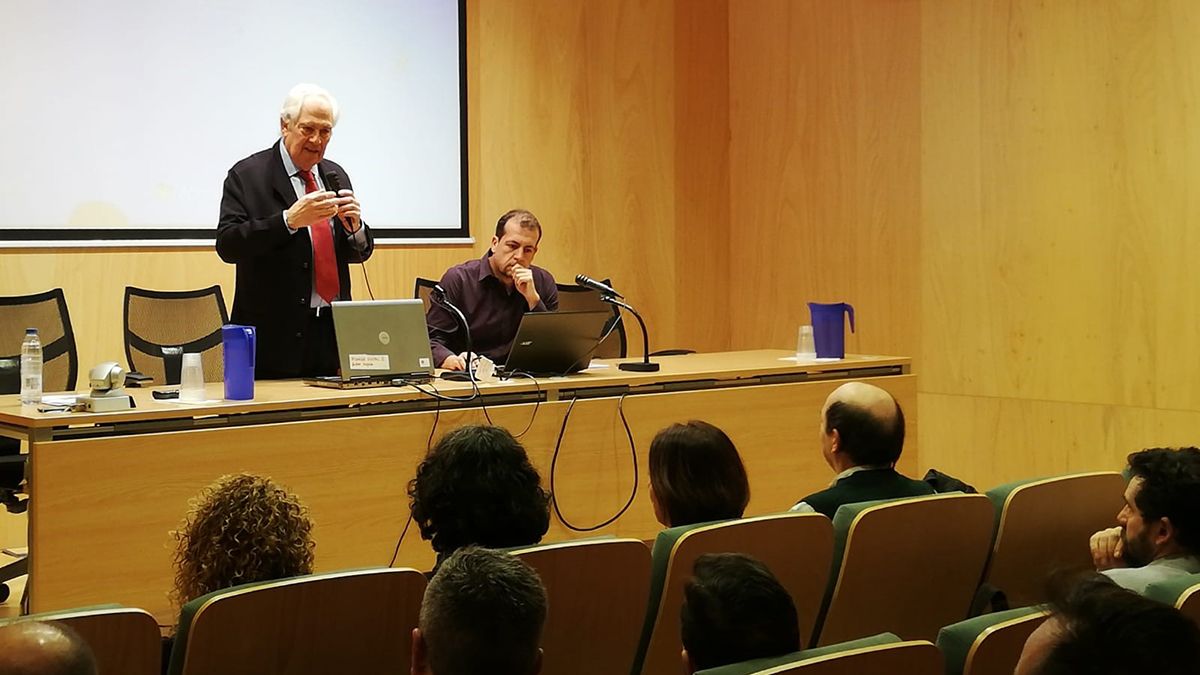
{"x":477,"y":486}
{"x":735,"y":610}
{"x":483,"y":612}
{"x":1108,"y":630}
{"x":44,"y":647}
{"x":525,"y":219}
{"x":1170,"y":489}
{"x":697,"y":474}
{"x":866,"y":439}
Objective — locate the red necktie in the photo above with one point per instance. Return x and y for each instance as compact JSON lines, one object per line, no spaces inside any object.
{"x":324,"y":259}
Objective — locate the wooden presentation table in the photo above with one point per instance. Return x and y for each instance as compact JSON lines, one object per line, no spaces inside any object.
{"x":107,"y":488}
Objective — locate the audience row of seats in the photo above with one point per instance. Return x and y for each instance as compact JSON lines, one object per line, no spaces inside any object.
{"x":361,"y":622}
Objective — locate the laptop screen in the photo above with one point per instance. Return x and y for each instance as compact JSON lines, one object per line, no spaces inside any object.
{"x":382,"y":337}
{"x":556,"y":343}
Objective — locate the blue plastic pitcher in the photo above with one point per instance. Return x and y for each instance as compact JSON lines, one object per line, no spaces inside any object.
{"x":829,"y":328}
{"x":239,"y":346}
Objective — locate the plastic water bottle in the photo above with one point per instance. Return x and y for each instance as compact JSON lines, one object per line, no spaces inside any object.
{"x":31,"y":368}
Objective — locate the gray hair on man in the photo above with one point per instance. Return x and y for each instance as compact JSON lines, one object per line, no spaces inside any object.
{"x":483,"y":612}
{"x":39,"y":648}
{"x":301,"y":92}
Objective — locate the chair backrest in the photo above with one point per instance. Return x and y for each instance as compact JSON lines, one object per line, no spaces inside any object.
{"x":123,"y":640}
{"x":990,"y":644}
{"x":423,"y":289}
{"x":1183,"y":592}
{"x":572,"y":298}
{"x":1044,"y":525}
{"x":180,"y":321}
{"x":759,"y":665}
{"x":909,"y":566}
{"x":916,"y":657}
{"x":796,"y":547}
{"x":358,"y":621}
{"x":46,"y":312}
{"x":594,"y":586}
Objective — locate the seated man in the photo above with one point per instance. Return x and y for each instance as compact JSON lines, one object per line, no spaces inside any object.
{"x":494,"y":292}
{"x":1158,"y":536}
{"x":36,"y":648}
{"x":735,"y":610}
{"x":1099,"y":628}
{"x":483,"y":612}
{"x":862,"y":434}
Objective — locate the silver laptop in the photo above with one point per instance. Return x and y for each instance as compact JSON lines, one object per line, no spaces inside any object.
{"x":378,"y":341}
{"x":556,"y":343}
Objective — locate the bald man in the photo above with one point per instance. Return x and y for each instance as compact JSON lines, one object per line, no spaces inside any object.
{"x":36,"y":648}
{"x":862,"y":434}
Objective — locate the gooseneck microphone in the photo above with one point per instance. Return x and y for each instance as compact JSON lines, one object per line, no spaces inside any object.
{"x":609,"y":295}
{"x":598,"y":286}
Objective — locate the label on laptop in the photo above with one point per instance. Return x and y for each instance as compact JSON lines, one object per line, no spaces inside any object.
{"x":370,"y":362}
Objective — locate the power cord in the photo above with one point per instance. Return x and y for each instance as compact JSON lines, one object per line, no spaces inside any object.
{"x":554,"y":466}
{"x":437,"y":415}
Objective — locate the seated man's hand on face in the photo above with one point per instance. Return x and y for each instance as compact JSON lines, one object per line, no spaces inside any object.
{"x":1108,"y":549}
{"x":523,"y":279}
{"x":349,"y":211}
{"x":312,"y":208}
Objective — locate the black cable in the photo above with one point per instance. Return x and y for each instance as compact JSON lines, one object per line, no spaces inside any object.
{"x":554,"y":465}
{"x":363,"y":265}
{"x":537,"y":401}
{"x":437,"y":415}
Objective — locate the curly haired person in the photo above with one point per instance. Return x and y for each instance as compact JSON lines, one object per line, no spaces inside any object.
{"x":477,"y":486}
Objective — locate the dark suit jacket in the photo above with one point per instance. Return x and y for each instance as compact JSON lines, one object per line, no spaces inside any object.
{"x":274,"y":266}
{"x":866,"y":486}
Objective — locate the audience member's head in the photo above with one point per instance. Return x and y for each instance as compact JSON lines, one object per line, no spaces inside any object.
{"x":696,"y":475}
{"x":735,"y":610}
{"x":482,"y":613}
{"x":476,"y":486}
{"x":36,"y":648}
{"x":241,"y":529}
{"x":1099,"y":628}
{"x":1161,"y":516}
{"x":861,"y":425}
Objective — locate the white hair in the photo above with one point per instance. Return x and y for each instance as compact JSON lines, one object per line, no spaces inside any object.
{"x":299,"y":93}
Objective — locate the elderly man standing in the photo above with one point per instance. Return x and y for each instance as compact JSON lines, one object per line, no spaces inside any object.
{"x":1158,"y":536}
{"x":862,"y":434}
{"x":292,"y":237}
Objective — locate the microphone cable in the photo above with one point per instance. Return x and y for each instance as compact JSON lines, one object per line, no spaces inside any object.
{"x":437,"y":415}
{"x":554,"y":501}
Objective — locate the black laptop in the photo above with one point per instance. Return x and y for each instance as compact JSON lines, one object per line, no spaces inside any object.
{"x":555,"y":343}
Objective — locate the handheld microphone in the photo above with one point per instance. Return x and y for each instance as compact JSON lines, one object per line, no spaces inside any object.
{"x":602,"y":288}
{"x":333,"y":181}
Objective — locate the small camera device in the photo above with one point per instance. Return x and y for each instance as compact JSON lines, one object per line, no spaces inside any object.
{"x":107,"y":381}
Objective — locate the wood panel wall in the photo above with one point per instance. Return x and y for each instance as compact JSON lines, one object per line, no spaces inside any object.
{"x":1061,"y":309}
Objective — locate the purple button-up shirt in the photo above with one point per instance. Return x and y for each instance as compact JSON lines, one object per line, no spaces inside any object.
{"x":493,"y":310}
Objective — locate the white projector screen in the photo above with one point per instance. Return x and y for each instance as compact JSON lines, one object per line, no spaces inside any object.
{"x":123,"y":117}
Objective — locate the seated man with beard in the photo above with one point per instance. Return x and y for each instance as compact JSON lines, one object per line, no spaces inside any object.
{"x":1158,"y":536}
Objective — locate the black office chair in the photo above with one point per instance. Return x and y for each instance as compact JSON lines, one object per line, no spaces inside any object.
{"x":46,"y":312}
{"x":160,"y":326}
{"x":423,"y":289}
{"x":572,"y":298}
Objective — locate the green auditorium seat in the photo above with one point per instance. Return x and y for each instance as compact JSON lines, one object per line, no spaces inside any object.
{"x":796,"y":547}
{"x":124,"y":640}
{"x":990,"y":644}
{"x":905,"y":566}
{"x":1043,"y":525}
{"x":759,"y":665}
{"x":892,"y":657}
{"x":1182,"y":592}
{"x":593,"y":586}
{"x":356,"y":621}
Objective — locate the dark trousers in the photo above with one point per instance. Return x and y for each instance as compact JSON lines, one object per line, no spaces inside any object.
{"x":320,"y":346}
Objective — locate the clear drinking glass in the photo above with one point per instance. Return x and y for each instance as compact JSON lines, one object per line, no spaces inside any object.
{"x":806,"y":349}
{"x":191,"y":379}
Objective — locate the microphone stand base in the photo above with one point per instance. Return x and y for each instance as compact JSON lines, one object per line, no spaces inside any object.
{"x":639,"y":366}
